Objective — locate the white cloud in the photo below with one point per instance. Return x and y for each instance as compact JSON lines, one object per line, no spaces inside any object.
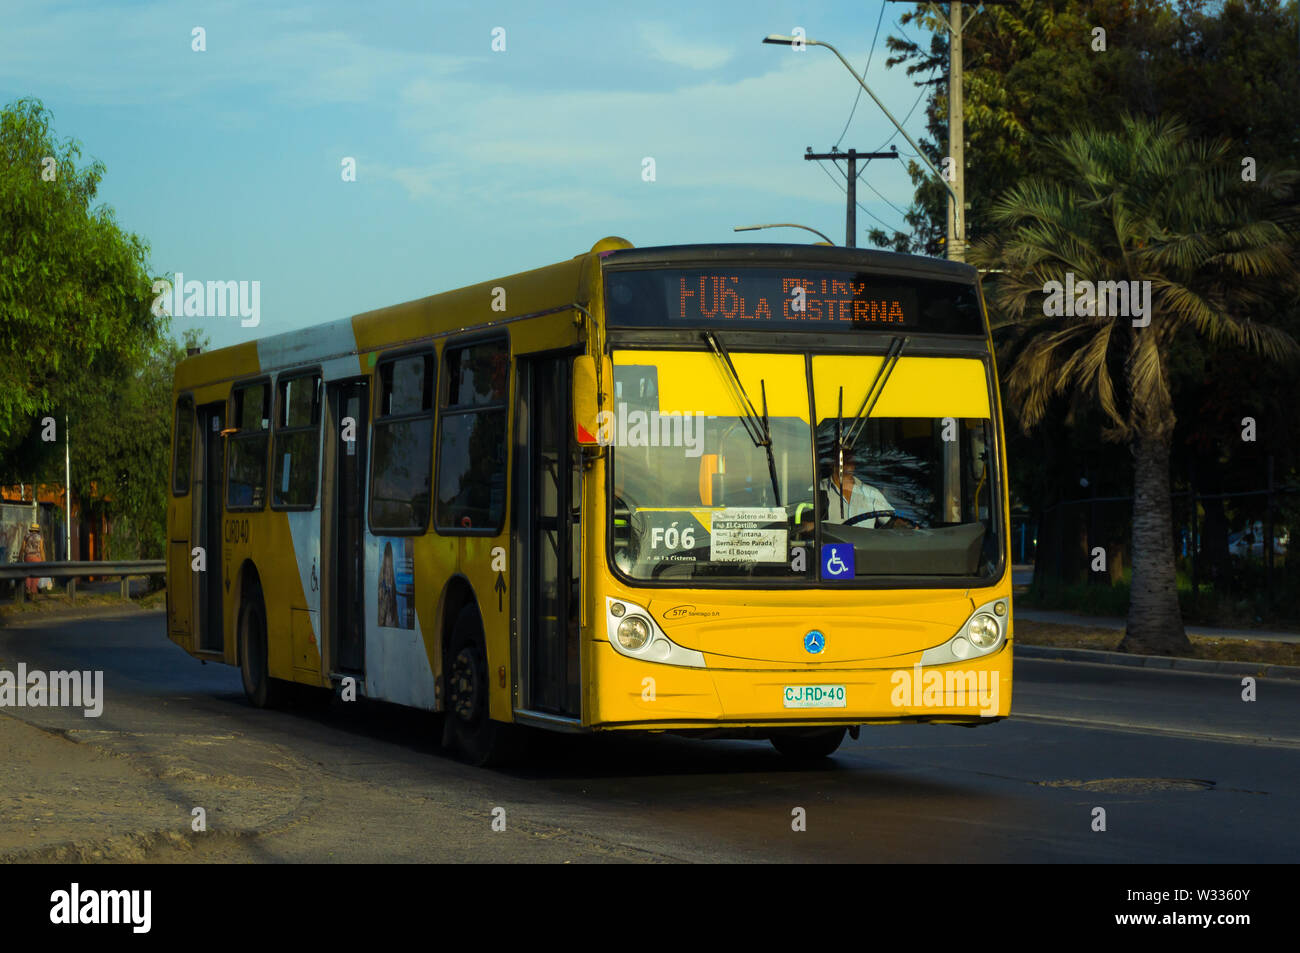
{"x":150,"y":60}
{"x":690,"y":52}
{"x":716,"y":136}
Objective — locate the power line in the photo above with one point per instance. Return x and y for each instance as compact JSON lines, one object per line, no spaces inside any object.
{"x":882,"y":198}
{"x":858,"y":204}
{"x":872,"y":188}
{"x":900,"y":211}
{"x":915,"y":103}
{"x":870,"y":53}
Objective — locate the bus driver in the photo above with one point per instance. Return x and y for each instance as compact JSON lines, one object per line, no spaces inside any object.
{"x":850,"y":497}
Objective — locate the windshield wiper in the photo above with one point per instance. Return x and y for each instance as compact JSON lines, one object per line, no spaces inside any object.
{"x":758,"y":428}
{"x":846,"y":438}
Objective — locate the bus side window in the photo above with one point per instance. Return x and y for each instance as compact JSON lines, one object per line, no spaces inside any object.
{"x":403,"y":445}
{"x":183,"y":444}
{"x":247,"y":446}
{"x":295,"y":451}
{"x":472,"y":437}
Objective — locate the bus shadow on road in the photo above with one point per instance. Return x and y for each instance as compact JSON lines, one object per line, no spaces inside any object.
{"x":610,"y":757}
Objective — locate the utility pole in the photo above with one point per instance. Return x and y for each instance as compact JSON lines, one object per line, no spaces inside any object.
{"x":956,"y":138}
{"x":955,"y":173}
{"x":956,"y":231}
{"x":853,"y":155}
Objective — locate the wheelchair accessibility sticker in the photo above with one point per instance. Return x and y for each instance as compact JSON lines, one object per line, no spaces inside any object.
{"x":837,"y":561}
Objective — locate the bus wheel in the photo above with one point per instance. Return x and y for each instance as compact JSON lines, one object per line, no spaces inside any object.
{"x":469,"y":730}
{"x":808,"y":745}
{"x":262,"y":690}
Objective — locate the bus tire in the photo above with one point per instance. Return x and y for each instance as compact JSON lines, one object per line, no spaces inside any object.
{"x":800,"y":745}
{"x":469,"y":728}
{"x":262,"y":690}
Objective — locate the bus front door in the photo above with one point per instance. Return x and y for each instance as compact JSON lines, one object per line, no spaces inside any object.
{"x":343,"y":534}
{"x":211,"y":584}
{"x":551,"y":479}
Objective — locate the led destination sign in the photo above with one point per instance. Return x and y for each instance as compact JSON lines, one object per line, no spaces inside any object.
{"x":798,"y":299}
{"x":792,"y":299}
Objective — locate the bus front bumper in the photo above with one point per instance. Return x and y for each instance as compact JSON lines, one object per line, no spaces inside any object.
{"x":631,"y":693}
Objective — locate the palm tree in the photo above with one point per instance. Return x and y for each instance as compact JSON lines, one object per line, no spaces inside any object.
{"x":1144,"y":203}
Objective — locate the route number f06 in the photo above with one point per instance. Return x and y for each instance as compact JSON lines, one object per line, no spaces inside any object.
{"x":672,"y":537}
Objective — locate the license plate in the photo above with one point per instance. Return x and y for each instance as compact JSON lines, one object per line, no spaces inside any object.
{"x":814,"y":696}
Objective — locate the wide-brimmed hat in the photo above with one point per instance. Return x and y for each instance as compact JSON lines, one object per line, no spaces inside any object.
{"x":36,"y":526}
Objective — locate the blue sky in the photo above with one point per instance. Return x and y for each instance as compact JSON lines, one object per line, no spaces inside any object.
{"x":471,"y":164}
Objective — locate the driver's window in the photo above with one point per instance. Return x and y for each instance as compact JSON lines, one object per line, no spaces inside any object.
{"x":884,"y":479}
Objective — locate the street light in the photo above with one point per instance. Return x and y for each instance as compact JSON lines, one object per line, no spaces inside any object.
{"x":779,"y":39}
{"x":753,"y":228}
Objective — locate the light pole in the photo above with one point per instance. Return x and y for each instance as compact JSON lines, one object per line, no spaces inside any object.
{"x":753,"y":228}
{"x":957,"y":219}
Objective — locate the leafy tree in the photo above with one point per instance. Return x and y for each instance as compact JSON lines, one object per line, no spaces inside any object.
{"x":1147,"y":203}
{"x":1228,"y":69}
{"x":1030,"y":71}
{"x":74,"y":291}
{"x":123,"y":451}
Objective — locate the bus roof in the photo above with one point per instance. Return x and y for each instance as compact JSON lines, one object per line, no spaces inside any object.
{"x":529,"y":292}
{"x":757,"y":254}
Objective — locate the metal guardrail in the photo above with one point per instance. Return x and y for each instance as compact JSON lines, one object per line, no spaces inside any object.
{"x":72,"y":571}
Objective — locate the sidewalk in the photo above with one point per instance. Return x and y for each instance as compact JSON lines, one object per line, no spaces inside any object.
{"x":1211,"y":666}
{"x":1117,"y":623}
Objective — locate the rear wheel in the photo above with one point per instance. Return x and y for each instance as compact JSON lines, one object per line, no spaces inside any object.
{"x":469,"y":729}
{"x":262,"y":690}
{"x":808,"y":745}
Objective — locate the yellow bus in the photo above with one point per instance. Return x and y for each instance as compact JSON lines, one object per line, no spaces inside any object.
{"x":729,"y":490}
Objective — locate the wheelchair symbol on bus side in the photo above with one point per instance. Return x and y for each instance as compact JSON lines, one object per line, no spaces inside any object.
{"x":837,"y":561}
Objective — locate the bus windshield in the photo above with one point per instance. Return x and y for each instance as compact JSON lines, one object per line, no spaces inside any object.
{"x":687,"y":466}
{"x":697,"y":495}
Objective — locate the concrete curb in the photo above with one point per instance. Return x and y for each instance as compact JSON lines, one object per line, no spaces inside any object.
{"x":1258,"y":669}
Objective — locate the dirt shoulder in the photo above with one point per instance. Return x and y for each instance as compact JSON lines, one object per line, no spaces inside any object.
{"x":47,"y":605}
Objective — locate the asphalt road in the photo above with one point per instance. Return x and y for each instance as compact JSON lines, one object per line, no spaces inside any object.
{"x":1185,"y":770}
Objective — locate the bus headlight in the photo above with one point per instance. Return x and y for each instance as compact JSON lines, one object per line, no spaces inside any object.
{"x":633,"y":633}
{"x":984,"y":631}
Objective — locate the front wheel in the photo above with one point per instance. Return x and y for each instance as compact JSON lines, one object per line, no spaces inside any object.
{"x":811,"y":745}
{"x":469,"y":729}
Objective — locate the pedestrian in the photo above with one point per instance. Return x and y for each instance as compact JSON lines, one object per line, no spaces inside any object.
{"x":33,"y":552}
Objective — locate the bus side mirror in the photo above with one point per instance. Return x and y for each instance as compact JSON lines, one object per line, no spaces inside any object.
{"x":712,"y":467}
{"x":587,"y":409}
